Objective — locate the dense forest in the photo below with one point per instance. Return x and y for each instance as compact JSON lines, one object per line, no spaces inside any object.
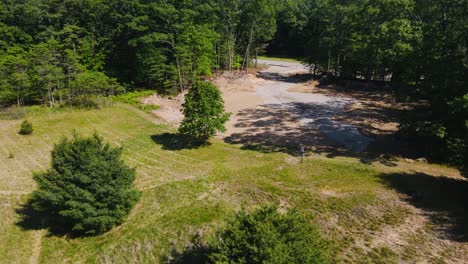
{"x":63,"y":52}
{"x":416,"y":47}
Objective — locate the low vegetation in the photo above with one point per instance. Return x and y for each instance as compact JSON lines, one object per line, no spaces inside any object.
{"x":135,"y":98}
{"x":189,"y":193}
{"x":26,"y":128}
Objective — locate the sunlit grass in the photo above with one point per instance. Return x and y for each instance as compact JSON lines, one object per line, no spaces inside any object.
{"x":189,"y":191}
{"x":279,"y":59}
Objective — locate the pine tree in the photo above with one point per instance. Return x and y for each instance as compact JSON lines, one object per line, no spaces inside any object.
{"x":88,"y":189}
{"x":266,"y":236}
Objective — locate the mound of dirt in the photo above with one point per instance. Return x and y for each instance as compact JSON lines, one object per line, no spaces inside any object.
{"x":237,"y":82}
{"x":170,"y":108}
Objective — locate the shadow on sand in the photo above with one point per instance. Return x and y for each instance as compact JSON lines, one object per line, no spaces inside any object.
{"x":272,"y":128}
{"x":445,"y":200}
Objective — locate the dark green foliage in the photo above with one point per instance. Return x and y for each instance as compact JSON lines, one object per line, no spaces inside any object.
{"x":133,"y":97}
{"x":69,"y":52}
{"x":204,"y":113}
{"x":266,"y":236}
{"x":419,"y":48}
{"x":88,"y":189}
{"x":163,"y":44}
{"x":26,"y":128}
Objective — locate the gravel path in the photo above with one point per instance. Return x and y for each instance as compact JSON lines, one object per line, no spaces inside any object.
{"x":315,"y":111}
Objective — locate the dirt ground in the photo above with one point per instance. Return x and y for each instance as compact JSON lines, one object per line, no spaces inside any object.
{"x":278,"y":109}
{"x":170,"y":108}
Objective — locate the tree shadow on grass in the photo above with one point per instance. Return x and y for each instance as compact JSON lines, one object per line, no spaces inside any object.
{"x":444,"y":199}
{"x":173,"y":141}
{"x":192,"y":255}
{"x":30,"y":219}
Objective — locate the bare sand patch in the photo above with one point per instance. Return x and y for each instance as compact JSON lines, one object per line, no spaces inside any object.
{"x":170,"y":108}
{"x":238,"y":91}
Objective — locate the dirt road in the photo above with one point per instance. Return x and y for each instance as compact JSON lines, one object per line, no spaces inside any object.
{"x":292,"y":118}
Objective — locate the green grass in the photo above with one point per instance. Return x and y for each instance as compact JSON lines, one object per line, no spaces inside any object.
{"x":279,"y":59}
{"x":190,"y":191}
{"x":134,"y":99}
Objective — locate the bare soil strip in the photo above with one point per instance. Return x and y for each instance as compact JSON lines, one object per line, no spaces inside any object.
{"x":36,"y":246}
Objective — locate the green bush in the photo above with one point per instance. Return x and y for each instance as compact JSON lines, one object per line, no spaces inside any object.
{"x":204,"y":113}
{"x":88,"y":189}
{"x":26,"y":128}
{"x":133,"y":97}
{"x":266,"y":236}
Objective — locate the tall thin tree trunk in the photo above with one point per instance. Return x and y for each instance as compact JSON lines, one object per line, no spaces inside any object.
{"x":180,"y":75}
{"x":256,"y":56}
{"x":49,"y":92}
{"x":337,"y":68}
{"x":247,"y":51}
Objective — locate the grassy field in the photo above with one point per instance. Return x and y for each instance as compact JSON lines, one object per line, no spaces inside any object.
{"x":191,"y":192}
{"x":278,"y":59}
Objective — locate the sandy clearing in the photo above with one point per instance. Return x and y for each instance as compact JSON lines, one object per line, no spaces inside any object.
{"x":276,"y":108}
{"x":299,"y":111}
{"x":170,"y":108}
{"x":238,"y":91}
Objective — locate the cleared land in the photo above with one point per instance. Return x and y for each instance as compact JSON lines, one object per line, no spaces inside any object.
{"x":372,"y":212}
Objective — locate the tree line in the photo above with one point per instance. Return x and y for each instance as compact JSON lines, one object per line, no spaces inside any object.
{"x":419,"y":48}
{"x":68,"y":52}
{"x":59,"y":52}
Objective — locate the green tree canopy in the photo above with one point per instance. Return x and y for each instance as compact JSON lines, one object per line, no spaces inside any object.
{"x":204,"y":112}
{"x":88,"y":189}
{"x":266,"y":236}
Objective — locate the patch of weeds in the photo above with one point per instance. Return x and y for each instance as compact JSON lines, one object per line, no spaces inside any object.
{"x":350,"y":201}
{"x":370,"y":220}
{"x":395,"y":216}
{"x":10,"y":155}
{"x":148,"y":108}
{"x":195,"y":214}
{"x":437,"y":260}
{"x":12,"y":113}
{"x":414,"y":241}
{"x":344,"y":243}
{"x":382,"y":255}
{"x":409,"y":253}
{"x":134,"y":98}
